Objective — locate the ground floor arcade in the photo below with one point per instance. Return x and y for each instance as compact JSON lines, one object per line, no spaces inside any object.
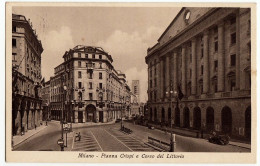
{"x":26,"y":114}
{"x":230,"y":115}
{"x":86,"y":113}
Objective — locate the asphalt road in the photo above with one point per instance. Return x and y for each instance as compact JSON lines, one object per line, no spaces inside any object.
{"x":109,"y":138}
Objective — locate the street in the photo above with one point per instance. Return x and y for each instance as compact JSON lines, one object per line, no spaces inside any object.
{"x":107,"y":137}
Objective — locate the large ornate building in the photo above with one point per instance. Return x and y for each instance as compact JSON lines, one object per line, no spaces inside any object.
{"x":88,"y":88}
{"x":26,"y":76}
{"x":206,"y":52}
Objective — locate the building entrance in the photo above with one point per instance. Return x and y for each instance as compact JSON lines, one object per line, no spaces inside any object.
{"x":226,"y":116}
{"x":210,"y":119}
{"x":186,"y":116}
{"x":101,"y":116}
{"x":197,"y":118}
{"x":90,"y":110}
{"x":80,"y":116}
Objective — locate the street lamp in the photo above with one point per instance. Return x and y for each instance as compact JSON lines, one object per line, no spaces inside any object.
{"x":172,"y":139}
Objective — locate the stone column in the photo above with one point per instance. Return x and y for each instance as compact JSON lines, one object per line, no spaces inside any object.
{"x":167,"y":73}
{"x":221,"y":58}
{"x":84,"y":116}
{"x":237,"y":51}
{"x":161,"y":79}
{"x":206,"y":62}
{"x":175,"y":71}
{"x":194,"y":67}
{"x":76,"y":116}
{"x":158,"y":80}
{"x":183,"y":65}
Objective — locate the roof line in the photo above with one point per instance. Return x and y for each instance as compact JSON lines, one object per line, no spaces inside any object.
{"x":175,"y":18}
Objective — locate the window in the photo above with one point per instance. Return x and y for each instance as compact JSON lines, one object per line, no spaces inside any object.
{"x":155,"y":70}
{"x":155,"y":95}
{"x":233,"y":60}
{"x":215,"y":66}
{"x":79,"y":63}
{"x":86,"y":55}
{"x":151,"y":83}
{"x":215,"y":30}
{"x":233,"y":20}
{"x":100,"y":85}
{"x":100,"y":65}
{"x":201,"y":70}
{"x":14,"y":57}
{"x":79,"y":74}
{"x":215,"y":87}
{"x":151,"y":72}
{"x":155,"y":82}
{"x":100,"y":76}
{"x":100,"y":56}
{"x":90,"y":85}
{"x":232,"y":84}
{"x":79,"y":55}
{"x":90,"y":75}
{"x":216,"y":46}
{"x":233,"y":38}
{"x":202,"y":52}
{"x":135,"y":89}
{"x":93,"y":56}
{"x":80,"y":84}
{"x":90,"y":96}
{"x":190,"y":73}
{"x":80,"y":96}
{"x":14,"y":29}
{"x":14,"y":42}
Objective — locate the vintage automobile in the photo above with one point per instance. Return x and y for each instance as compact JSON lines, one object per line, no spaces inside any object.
{"x":221,"y":139}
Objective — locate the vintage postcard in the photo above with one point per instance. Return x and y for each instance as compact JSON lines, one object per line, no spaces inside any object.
{"x":131,"y":82}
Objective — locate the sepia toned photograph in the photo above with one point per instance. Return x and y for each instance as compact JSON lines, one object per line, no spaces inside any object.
{"x":97,"y":82}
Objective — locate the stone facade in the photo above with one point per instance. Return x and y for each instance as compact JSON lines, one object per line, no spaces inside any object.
{"x":45,"y":93}
{"x":95,"y":91}
{"x":26,"y":76}
{"x":207,"y":53}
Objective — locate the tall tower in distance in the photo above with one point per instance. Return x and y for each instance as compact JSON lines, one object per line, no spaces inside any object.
{"x":136,"y":90}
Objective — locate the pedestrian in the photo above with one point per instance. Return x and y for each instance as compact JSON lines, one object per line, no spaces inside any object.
{"x":46,"y":123}
{"x":35,"y":126}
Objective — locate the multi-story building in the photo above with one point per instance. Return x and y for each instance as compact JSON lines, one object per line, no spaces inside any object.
{"x":136,"y":90}
{"x":206,"y":52}
{"x":87,"y":87}
{"x":26,"y":76}
{"x":45,"y":93}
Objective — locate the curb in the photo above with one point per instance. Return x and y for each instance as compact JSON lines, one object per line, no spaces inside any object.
{"x":29,"y":136}
{"x":239,"y":146}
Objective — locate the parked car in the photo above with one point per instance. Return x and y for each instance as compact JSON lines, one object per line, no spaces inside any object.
{"x":118,"y":120}
{"x":218,"y":138}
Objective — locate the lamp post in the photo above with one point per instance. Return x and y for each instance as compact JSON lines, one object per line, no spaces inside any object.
{"x":64,"y":88}
{"x":171,"y":92}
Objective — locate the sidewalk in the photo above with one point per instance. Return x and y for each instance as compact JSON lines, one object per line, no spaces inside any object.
{"x":17,"y":139}
{"x":194,"y":133}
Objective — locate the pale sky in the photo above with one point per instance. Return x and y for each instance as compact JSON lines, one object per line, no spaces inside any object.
{"x":123,"y":32}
